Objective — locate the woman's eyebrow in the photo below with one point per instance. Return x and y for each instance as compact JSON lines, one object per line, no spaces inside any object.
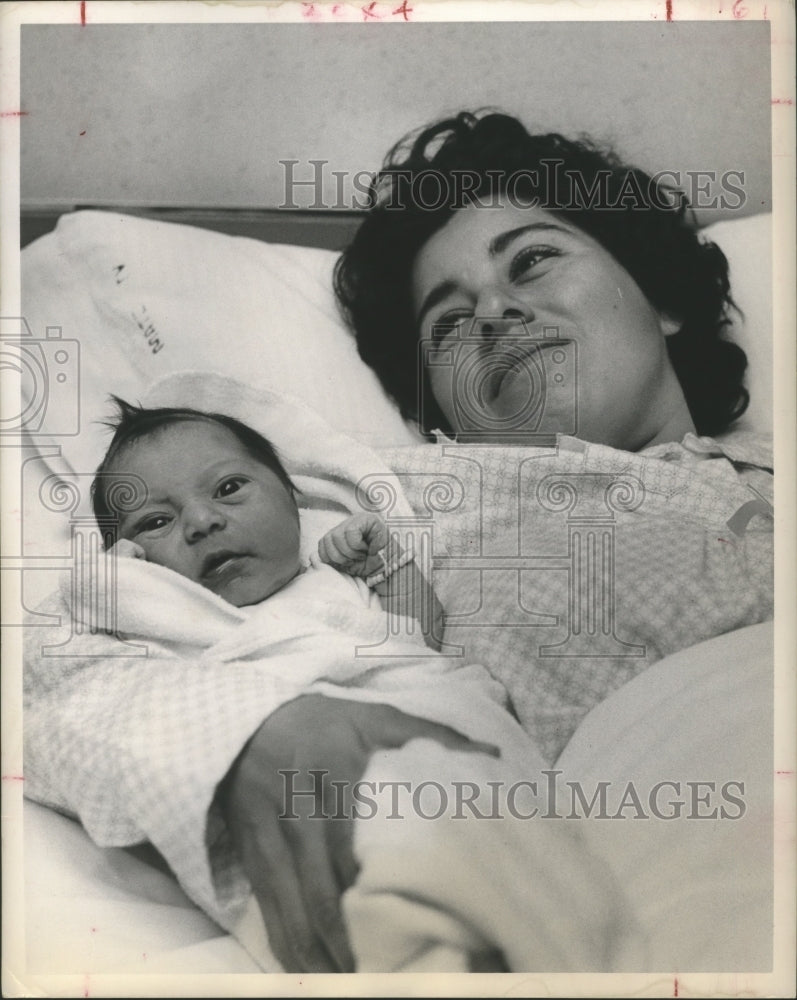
{"x":502,"y":241}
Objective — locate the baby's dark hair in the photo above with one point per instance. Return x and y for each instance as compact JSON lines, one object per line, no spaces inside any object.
{"x":645,"y":224}
{"x":132,"y":423}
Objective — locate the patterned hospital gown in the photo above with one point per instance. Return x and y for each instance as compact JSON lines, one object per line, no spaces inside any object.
{"x":566,"y":574}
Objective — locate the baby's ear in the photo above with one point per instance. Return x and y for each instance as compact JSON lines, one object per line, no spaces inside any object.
{"x":669,"y":324}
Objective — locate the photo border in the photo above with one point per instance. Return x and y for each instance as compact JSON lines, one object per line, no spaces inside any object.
{"x":16,"y":981}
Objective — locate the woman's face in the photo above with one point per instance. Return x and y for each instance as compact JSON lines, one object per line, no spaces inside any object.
{"x":529,"y":327}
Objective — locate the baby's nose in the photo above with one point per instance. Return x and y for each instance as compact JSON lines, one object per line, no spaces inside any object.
{"x":201,"y":518}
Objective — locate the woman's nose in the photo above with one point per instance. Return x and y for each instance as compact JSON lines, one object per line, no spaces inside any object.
{"x":201,"y":518}
{"x":498,"y":310}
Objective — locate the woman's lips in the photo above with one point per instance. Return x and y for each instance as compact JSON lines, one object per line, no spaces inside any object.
{"x":512,"y":360}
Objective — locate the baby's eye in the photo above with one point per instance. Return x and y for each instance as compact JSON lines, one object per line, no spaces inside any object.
{"x":528,"y":259}
{"x":153,"y":522}
{"x":231,"y":485}
{"x":449,"y":323}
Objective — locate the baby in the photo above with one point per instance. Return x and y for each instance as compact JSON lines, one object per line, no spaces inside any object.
{"x":220,"y":510}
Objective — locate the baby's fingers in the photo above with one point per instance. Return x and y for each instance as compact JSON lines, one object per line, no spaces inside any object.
{"x":333,"y":550}
{"x":372,"y":532}
{"x":328,"y":552}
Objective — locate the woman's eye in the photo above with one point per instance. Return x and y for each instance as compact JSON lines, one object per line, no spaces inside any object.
{"x":230,"y":486}
{"x":527,"y":260}
{"x":449,"y":323}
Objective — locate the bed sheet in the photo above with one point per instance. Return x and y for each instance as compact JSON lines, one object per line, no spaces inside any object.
{"x":90,"y":910}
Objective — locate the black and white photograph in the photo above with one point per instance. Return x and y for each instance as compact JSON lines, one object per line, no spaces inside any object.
{"x":398,"y":498}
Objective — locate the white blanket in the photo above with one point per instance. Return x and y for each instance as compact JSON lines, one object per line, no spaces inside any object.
{"x":695,"y":894}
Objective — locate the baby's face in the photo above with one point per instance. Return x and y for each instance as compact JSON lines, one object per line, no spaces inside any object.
{"x":213,"y":512}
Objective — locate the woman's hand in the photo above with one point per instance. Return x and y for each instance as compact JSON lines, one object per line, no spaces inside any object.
{"x":299,"y":867}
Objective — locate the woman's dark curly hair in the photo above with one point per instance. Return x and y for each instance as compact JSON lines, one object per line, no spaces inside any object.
{"x":650,"y":230}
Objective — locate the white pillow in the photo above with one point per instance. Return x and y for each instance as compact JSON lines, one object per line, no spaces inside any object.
{"x":146,"y":298}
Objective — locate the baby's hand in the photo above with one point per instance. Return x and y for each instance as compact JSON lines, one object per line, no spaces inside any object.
{"x":353,"y":546}
{"x":127,"y":550}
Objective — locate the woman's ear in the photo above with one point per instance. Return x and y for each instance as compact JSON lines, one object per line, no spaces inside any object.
{"x":669,"y":324}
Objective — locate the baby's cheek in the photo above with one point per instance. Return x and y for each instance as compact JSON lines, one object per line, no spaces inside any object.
{"x":159,"y":553}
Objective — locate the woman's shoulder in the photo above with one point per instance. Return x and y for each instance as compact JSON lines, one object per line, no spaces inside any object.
{"x":740,"y":447}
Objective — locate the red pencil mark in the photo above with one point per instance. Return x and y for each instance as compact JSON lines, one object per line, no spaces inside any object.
{"x":675,"y":987}
{"x":13,"y":777}
{"x":784,"y":772}
{"x":309,"y":10}
{"x":12,"y":114}
{"x":669,"y":10}
{"x":738,"y":10}
{"x":728,"y":541}
{"x":83,"y":132}
{"x":782,"y":100}
{"x":403,"y":9}
{"x":82,"y":11}
{"x":93,"y":930}
{"x":368,"y":11}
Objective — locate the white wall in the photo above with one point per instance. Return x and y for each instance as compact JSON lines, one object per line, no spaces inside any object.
{"x":173,"y":115}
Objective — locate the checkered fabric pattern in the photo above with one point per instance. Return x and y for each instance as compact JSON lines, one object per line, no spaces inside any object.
{"x":678,"y":551}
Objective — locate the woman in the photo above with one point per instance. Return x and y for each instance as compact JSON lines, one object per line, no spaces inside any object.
{"x":550,"y":233}
{"x":498,"y":247}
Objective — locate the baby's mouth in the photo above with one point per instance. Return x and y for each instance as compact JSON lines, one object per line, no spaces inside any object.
{"x":217,"y":564}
